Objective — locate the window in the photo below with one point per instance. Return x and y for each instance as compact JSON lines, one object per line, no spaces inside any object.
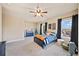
{"x":66,"y":25}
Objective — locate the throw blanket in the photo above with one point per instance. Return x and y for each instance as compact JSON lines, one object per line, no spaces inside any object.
{"x":52,"y":37}
{"x":40,"y":37}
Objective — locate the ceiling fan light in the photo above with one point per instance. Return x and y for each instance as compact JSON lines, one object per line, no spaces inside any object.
{"x":38,"y":14}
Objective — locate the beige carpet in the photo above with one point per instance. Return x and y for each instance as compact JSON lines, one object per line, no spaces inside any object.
{"x":28,"y":47}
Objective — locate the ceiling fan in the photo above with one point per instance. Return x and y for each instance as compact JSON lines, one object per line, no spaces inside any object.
{"x":38,"y":12}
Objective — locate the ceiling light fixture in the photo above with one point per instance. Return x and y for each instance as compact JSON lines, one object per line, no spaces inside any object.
{"x":38,"y":12}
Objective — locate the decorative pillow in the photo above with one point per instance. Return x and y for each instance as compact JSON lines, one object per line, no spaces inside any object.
{"x":53,"y":33}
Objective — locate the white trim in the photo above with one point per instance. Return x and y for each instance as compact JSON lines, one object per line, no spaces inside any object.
{"x":17,"y":40}
{"x":39,"y":1}
{"x":1,"y":24}
{"x":14,"y":40}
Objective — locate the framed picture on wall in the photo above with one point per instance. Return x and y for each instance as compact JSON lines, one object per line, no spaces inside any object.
{"x":54,"y":26}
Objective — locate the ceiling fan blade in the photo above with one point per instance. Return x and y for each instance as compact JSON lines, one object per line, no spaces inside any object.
{"x":31,"y":11}
{"x":41,"y":15}
{"x":44,"y":12}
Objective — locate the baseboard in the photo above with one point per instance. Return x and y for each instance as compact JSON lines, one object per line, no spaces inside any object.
{"x":14,"y":40}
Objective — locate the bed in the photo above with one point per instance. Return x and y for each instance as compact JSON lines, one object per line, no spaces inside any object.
{"x":28,"y":33}
{"x":43,"y":41}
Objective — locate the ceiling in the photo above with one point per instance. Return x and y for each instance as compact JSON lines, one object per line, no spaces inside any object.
{"x":21,"y":10}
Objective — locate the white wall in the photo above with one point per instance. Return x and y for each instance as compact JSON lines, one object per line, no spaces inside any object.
{"x":38,"y":27}
{"x":49,"y":21}
{"x":13,"y":28}
{"x":78,"y":23}
{"x":30,"y":26}
{"x":0,"y":23}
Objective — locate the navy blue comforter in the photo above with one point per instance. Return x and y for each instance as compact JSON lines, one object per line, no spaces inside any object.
{"x":52,"y":37}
